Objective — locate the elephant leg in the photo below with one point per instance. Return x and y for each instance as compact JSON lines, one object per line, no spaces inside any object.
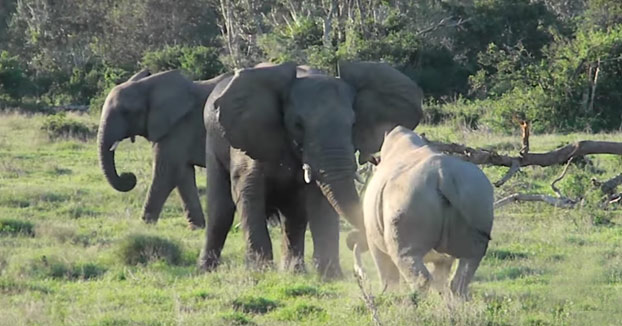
{"x":251,"y":205}
{"x":164,"y":180}
{"x":464,"y":274}
{"x":187,"y":188}
{"x":324,"y":226}
{"x":387,"y":271}
{"x":294,"y":226}
{"x":220,"y":212}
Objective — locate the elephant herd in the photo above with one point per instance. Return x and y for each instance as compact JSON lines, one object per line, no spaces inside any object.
{"x":280,"y":140}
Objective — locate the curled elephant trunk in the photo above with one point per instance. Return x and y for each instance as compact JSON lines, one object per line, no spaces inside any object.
{"x":107,"y":140}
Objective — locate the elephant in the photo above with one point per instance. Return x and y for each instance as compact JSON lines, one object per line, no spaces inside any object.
{"x":420,"y":206}
{"x":167,"y":109}
{"x":282,"y":139}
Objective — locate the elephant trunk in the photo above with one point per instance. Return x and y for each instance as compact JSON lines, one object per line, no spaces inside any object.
{"x":108,"y":135}
{"x":343,"y":197}
{"x":335,"y":175}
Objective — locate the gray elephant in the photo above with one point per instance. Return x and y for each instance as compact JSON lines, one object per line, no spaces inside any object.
{"x":282,"y":139}
{"x":420,"y":203}
{"x":167,"y":109}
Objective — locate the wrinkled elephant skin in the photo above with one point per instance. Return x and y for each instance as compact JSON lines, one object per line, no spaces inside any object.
{"x":167,"y":109}
{"x":281,"y":139}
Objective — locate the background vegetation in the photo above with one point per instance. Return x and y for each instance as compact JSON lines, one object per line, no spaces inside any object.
{"x":73,"y":251}
{"x":557,"y":63}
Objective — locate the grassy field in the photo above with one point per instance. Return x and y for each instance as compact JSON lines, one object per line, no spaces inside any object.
{"x":66,"y":239}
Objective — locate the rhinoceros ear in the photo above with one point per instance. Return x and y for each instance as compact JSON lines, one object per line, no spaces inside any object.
{"x":140,"y":75}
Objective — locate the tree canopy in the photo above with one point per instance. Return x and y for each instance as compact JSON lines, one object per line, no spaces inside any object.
{"x":557,"y":63}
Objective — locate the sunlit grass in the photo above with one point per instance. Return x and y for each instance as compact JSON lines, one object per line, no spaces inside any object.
{"x":545,"y":266}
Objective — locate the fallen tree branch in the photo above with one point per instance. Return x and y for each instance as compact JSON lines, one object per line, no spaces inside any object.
{"x":609,"y":186}
{"x":558,"y":156}
{"x":511,"y":172}
{"x":561,"y":176}
{"x":518,"y":197}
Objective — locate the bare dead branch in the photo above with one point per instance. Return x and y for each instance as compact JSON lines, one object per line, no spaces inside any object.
{"x":518,"y":197}
{"x":511,"y":172}
{"x":558,"y":156}
{"x":524,"y":125}
{"x":609,"y":186}
{"x":561,"y":176}
{"x":361,"y":277}
{"x":445,"y":22}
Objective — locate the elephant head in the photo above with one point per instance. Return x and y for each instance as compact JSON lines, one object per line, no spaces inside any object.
{"x":145,"y":105}
{"x":268,"y":111}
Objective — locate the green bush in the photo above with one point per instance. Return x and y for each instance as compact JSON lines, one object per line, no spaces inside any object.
{"x":61,"y":126}
{"x":296,"y":42}
{"x":257,"y":305}
{"x":200,"y":62}
{"x":13,"y":78}
{"x":57,"y":268}
{"x":301,"y":311}
{"x":10,"y":226}
{"x":237,"y":318}
{"x":112,"y":76}
{"x":301,"y":290}
{"x":141,"y":249}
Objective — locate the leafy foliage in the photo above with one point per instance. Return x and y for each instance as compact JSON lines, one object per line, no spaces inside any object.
{"x":62,"y":126}
{"x":10,"y":226}
{"x":199,"y":62}
{"x":480,"y":62}
{"x":142,"y":249}
{"x":251,"y":304}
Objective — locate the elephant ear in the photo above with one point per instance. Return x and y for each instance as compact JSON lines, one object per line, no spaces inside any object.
{"x":250,"y":110}
{"x":384,"y":99}
{"x":170,"y":99}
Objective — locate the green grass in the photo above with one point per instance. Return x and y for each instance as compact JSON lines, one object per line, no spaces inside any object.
{"x":66,"y":236}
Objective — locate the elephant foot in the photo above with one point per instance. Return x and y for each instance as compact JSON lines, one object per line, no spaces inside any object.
{"x":150,"y":218}
{"x":295,"y":265}
{"x":196,"y":225}
{"x":329,"y":270}
{"x":259,"y":262}
{"x":208,"y":263}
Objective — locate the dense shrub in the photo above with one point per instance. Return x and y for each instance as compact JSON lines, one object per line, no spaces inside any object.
{"x":141,"y":249}
{"x":13,"y":78}
{"x":251,"y":304}
{"x":59,"y":268}
{"x":61,"y":126}
{"x":561,"y":91}
{"x":199,"y":62}
{"x":10,"y":226}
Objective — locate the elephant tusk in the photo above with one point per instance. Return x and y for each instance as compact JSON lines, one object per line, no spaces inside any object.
{"x":133,"y":139}
{"x":307,"y":173}
{"x":114,"y":146}
{"x":359,"y":178}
